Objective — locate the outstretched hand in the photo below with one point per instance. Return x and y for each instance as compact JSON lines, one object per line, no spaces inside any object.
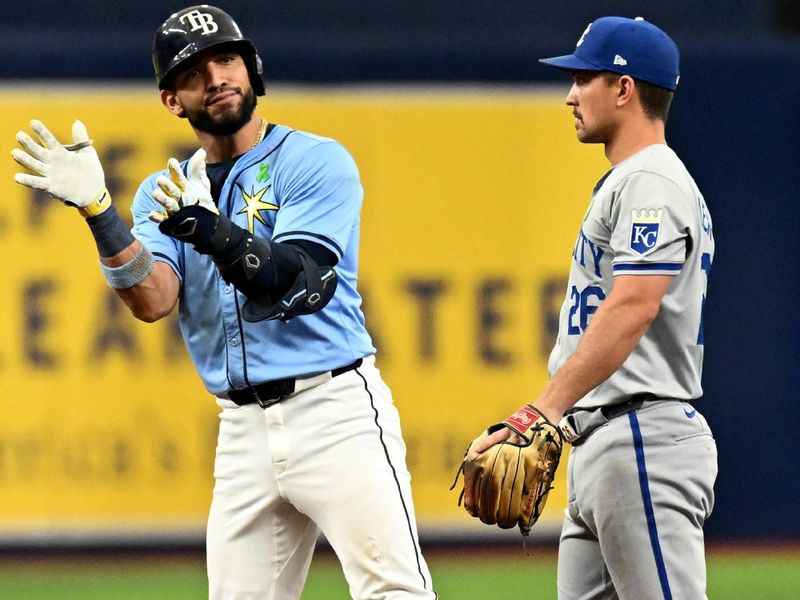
{"x":71,"y":173}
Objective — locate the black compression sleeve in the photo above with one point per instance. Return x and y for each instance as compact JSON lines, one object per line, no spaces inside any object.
{"x":287,"y":266}
{"x":320,"y":254}
{"x":287,"y":262}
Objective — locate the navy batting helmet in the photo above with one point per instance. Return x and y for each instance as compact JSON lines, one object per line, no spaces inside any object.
{"x":195,"y":29}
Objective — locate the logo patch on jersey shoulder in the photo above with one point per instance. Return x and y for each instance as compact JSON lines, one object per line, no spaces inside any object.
{"x":645,"y":225}
{"x":253,"y":205}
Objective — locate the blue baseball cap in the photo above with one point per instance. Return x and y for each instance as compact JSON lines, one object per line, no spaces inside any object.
{"x":632,"y":47}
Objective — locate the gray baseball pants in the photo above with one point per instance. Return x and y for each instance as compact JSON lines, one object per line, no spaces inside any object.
{"x":640,"y":487}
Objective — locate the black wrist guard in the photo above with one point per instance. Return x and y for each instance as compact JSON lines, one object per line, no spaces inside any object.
{"x":210,"y":233}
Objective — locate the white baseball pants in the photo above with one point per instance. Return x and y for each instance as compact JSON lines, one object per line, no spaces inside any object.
{"x":330,"y":459}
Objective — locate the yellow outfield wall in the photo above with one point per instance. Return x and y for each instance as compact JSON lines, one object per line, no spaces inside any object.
{"x":473,"y":201}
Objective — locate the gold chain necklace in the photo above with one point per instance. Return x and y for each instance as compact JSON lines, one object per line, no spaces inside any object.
{"x":261,"y":131}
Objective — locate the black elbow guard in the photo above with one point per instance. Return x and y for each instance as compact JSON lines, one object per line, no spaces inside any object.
{"x":311,"y":291}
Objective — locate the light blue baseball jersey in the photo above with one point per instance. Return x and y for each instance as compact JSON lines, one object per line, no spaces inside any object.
{"x":292,"y":186}
{"x":646,"y":217}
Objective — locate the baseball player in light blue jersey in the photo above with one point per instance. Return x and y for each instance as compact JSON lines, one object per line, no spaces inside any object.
{"x":629,"y":354}
{"x":255,"y":238}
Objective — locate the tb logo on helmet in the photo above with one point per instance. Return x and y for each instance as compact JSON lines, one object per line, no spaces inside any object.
{"x":200,"y":20}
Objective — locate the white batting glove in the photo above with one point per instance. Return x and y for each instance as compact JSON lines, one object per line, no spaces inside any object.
{"x":178,"y":191}
{"x":71,"y":173}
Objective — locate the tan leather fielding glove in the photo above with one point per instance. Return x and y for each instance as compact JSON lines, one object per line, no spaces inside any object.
{"x":508,"y":483}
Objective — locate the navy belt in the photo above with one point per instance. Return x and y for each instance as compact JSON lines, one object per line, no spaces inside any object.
{"x":578,"y":423}
{"x":271,"y":392}
{"x":635,"y":403}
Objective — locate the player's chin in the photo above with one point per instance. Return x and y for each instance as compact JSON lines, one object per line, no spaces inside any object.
{"x":226,"y":110}
{"x":226,"y":117}
{"x":588,"y":137}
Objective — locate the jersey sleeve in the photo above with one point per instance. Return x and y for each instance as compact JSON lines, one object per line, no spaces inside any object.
{"x":321,"y":196}
{"x":651,"y":225}
{"x":162,"y":247}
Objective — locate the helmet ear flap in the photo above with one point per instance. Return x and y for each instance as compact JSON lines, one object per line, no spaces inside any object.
{"x":256,"y":69}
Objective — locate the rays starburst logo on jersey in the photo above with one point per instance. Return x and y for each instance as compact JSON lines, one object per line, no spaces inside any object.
{"x":253,"y":205}
{"x":645,"y":225}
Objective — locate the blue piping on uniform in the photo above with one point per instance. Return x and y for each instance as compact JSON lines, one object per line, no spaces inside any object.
{"x":164,"y":258}
{"x":414,"y":542}
{"x":649,"y":267}
{"x":229,"y":214}
{"x":333,"y":246}
{"x":638,"y":445}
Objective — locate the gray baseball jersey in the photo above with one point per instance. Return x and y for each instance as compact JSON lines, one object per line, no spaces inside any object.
{"x":646,"y":217}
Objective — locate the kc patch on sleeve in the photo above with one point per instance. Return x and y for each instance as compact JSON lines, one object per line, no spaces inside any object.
{"x":645,"y":224}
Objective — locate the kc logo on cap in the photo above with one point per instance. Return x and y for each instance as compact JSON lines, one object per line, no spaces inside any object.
{"x":632,"y":47}
{"x":585,"y":31}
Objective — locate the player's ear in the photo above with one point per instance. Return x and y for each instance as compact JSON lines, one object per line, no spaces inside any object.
{"x":170,"y":101}
{"x":626,"y":88}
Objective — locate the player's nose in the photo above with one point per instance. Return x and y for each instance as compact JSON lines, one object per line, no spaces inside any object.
{"x":572,"y":96}
{"x":216,"y":76}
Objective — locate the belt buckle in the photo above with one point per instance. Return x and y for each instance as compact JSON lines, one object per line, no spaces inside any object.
{"x":284,"y":388}
{"x":569,"y":429}
{"x":262,"y":402}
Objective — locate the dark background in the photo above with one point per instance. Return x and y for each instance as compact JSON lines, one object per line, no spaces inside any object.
{"x":734,"y":122}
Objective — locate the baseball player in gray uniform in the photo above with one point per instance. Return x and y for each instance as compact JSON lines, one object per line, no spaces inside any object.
{"x":256,"y":240}
{"x":629,"y":354}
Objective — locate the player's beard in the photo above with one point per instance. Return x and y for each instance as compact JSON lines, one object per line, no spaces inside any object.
{"x":226,"y":124}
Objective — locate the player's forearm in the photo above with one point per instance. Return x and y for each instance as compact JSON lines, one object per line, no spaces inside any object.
{"x":148,"y":288}
{"x":614,"y":332}
{"x":155,"y":296}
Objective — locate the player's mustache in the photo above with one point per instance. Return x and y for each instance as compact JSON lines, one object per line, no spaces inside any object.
{"x":224,"y":90}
